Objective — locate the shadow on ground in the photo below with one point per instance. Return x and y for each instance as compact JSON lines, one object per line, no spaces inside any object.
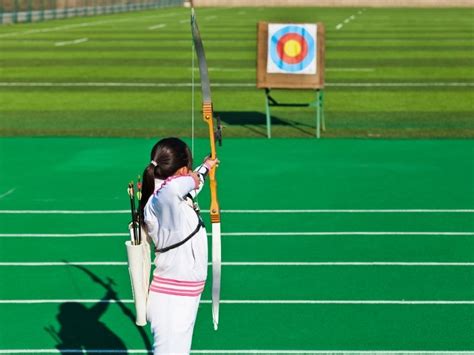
{"x":256,"y":122}
{"x":80,"y":327}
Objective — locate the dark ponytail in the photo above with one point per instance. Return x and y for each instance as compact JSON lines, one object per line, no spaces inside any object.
{"x":167,"y":156}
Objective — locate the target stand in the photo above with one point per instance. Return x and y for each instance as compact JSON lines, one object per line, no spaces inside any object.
{"x":291,"y":56}
{"x":317,"y":104}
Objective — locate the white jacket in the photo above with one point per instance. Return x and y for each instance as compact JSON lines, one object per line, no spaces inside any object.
{"x":170,"y":218}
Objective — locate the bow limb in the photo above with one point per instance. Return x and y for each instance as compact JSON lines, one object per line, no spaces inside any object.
{"x":208,"y":117}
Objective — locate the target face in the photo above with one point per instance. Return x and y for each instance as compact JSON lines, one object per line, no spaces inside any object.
{"x":292,"y":49}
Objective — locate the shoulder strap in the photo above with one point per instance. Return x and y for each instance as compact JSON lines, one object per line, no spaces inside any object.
{"x":198,"y":227}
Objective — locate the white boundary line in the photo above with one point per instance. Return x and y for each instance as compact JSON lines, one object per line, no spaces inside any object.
{"x":85,"y":24}
{"x":234,"y":234}
{"x":341,"y":263}
{"x":335,"y":69}
{"x":252,"y":234}
{"x":350,"y":69}
{"x":353,"y":211}
{"x":331,"y":352}
{"x":9,"y":192}
{"x":69,"y":43}
{"x":371,"y":302}
{"x":302,"y":352}
{"x":347,"y":20}
{"x":155,"y":27}
{"x":437,"y":84}
{"x":229,"y":85}
{"x":64,"y":211}
{"x":245,"y":263}
{"x":287,"y":302}
{"x":263,"y":211}
{"x":61,"y":235}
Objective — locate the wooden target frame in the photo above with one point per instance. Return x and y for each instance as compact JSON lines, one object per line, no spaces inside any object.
{"x":288,"y":81}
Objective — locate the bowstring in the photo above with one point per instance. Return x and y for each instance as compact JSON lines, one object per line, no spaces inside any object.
{"x":193,"y":69}
{"x":192,"y":98}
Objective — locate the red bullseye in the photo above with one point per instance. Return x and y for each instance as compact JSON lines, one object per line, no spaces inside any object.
{"x":292,"y":59}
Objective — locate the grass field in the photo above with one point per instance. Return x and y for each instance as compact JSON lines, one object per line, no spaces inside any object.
{"x":390,"y":73}
{"x":330,"y":246}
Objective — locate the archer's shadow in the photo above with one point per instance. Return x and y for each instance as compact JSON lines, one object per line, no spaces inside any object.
{"x":81,"y":327}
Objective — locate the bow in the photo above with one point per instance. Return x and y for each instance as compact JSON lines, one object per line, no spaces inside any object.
{"x":215,"y":133}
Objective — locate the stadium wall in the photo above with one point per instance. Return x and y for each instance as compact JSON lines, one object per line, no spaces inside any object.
{"x":12,"y":11}
{"x":336,"y":3}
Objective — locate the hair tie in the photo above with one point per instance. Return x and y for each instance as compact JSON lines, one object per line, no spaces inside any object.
{"x":154,"y":163}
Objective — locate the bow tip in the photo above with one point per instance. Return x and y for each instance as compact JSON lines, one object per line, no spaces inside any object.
{"x":215,"y":325}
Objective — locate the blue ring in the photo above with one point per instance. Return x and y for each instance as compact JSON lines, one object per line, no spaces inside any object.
{"x":297,"y":66}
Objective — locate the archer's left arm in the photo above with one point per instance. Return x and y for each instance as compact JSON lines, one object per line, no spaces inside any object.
{"x":202,"y":172}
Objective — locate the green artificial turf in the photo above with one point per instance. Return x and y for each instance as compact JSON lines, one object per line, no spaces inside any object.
{"x":302,"y":270}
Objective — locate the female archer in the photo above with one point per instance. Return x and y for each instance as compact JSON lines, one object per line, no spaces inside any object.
{"x":172,"y":221}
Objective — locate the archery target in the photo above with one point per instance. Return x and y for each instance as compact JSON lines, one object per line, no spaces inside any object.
{"x":292,"y":48}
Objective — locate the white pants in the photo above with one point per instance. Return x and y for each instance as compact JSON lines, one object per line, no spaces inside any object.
{"x":172,"y":322}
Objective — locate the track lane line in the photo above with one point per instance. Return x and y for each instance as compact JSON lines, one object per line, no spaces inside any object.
{"x":70,"y":43}
{"x":233,"y":351}
{"x":264,"y":211}
{"x":236,"y":234}
{"x":230,"y":85}
{"x":243,"y":263}
{"x":277,"y":302}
